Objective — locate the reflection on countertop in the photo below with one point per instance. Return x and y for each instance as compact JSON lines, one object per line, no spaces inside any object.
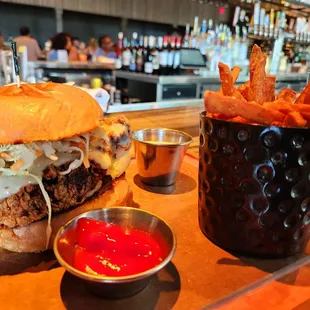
{"x":152,"y":106}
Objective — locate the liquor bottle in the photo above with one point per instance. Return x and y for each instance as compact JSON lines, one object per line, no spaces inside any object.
{"x":133,"y":52}
{"x":163,"y":56}
{"x":262,"y":21}
{"x":155,"y":55}
{"x":186,"y":37}
{"x":236,"y":16}
{"x":126,"y":55}
{"x":210,"y":25}
{"x":196,"y":26}
{"x":119,"y":46}
{"x":134,"y":39}
{"x":148,"y":64}
{"x":267,"y":25}
{"x":236,"y":44}
{"x":272,"y":21}
{"x":145,"y":50}
{"x":283,"y":24}
{"x":203,"y":29}
{"x":139,"y":56}
{"x":171,"y":53}
{"x":277,"y":24}
{"x":177,"y":56}
{"x":256,"y":17}
{"x":119,"y":51}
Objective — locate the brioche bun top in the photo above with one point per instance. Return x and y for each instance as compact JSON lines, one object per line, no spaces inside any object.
{"x":45,"y":112}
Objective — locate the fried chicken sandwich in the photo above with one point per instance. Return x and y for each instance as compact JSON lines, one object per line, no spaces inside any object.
{"x":58,"y":158}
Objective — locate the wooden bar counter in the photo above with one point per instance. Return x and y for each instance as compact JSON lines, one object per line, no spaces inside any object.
{"x":242,"y":271}
{"x":181,"y":118}
{"x":200,"y":274}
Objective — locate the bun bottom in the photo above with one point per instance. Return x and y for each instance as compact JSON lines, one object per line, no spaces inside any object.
{"x":32,"y":238}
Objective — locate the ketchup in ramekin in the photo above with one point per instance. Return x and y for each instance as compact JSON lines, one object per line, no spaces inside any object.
{"x":101,"y":248}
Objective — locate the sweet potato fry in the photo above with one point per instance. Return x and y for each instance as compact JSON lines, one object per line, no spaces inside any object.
{"x":281,"y":106}
{"x":277,"y":124}
{"x":235,"y":72}
{"x":294,"y":119}
{"x":270,"y":88}
{"x":226,"y":79}
{"x":244,"y":90}
{"x":287,"y":95}
{"x":255,"y":102}
{"x":217,"y":116}
{"x":256,"y":56}
{"x":258,"y":78}
{"x":304,"y":97}
{"x":305,"y":115}
{"x":236,"y":94}
{"x":239,"y":119}
{"x":215,"y":103}
{"x":285,"y":108}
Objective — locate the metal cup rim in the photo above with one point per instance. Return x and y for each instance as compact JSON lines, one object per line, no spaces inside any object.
{"x":203,"y":114}
{"x":116,"y":280}
{"x":134,"y":137}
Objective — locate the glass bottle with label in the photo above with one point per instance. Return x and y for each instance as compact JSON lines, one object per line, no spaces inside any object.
{"x":133,"y":52}
{"x":148,"y":64}
{"x":163,"y":56}
{"x":139,"y":56}
{"x":119,"y":51}
{"x":186,"y":37}
{"x":145,"y":50}
{"x":155,"y":55}
{"x":171,"y":54}
{"x":126,"y":55}
{"x":177,"y":56}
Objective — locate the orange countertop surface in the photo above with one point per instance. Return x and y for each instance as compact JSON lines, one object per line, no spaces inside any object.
{"x":200,"y":273}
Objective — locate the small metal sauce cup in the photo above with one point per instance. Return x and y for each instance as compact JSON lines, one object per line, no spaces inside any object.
{"x":119,"y":287}
{"x":159,"y":154}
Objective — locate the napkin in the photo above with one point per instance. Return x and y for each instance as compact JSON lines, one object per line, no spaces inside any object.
{"x":101,"y":95}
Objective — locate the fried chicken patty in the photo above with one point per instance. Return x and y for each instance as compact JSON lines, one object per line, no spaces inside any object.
{"x":65,"y":192}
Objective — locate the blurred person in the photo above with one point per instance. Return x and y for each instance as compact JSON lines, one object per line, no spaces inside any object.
{"x":91,"y":49}
{"x":106,"y":47}
{"x":62,"y":41}
{"x":33,"y":49}
{"x":74,"y":52}
{"x":75,"y":42}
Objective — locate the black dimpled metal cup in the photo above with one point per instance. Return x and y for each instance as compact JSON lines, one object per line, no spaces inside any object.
{"x":254,"y":187}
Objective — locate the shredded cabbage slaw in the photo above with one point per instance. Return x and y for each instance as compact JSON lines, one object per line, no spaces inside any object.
{"x":19,"y":160}
{"x":33,"y":158}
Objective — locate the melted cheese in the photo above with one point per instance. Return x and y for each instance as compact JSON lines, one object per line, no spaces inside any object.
{"x":119,"y":165}
{"x":101,"y":158}
{"x":10,"y":185}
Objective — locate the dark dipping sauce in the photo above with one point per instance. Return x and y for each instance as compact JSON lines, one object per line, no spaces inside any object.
{"x":99,"y":248}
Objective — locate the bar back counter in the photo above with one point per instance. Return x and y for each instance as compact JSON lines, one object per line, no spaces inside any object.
{"x":145,"y":88}
{"x":158,"y":88}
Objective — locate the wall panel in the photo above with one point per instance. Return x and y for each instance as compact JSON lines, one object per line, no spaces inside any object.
{"x":174,"y":12}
